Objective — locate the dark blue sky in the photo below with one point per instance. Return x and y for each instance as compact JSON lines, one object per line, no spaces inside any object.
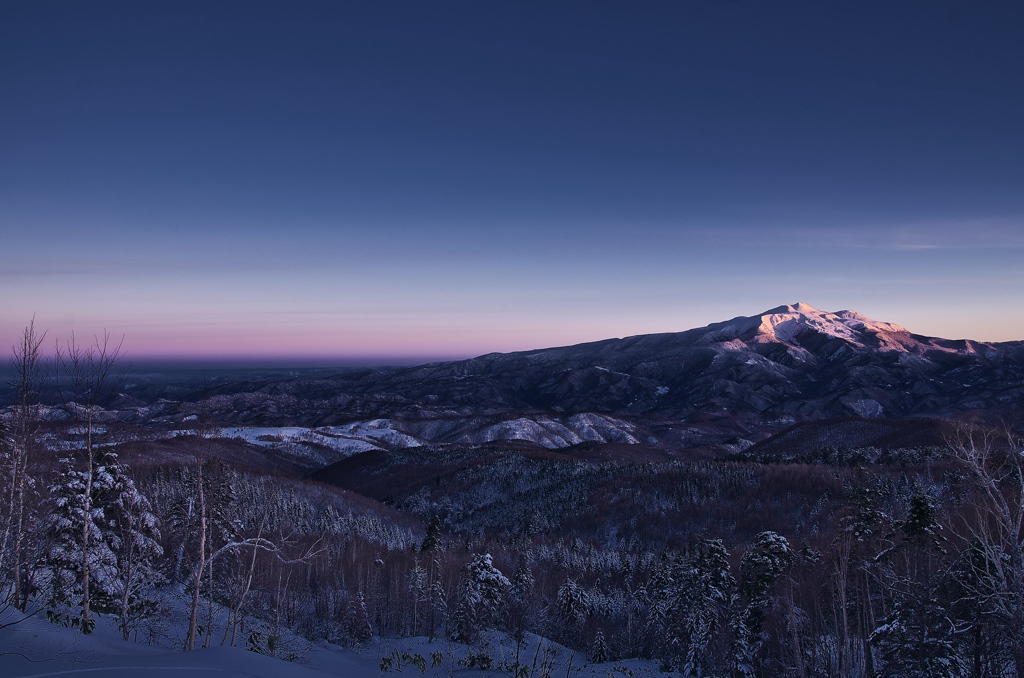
{"x":451,"y":178}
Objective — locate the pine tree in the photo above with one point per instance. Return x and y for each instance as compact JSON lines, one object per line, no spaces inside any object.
{"x":691,"y":606}
{"x":482,"y":589}
{"x":432,"y":540}
{"x":132,"y":533}
{"x":916,"y":639}
{"x":87,"y":375}
{"x":573,"y":605}
{"x":519,"y":601}
{"x":760,"y":567}
{"x":75,"y":512}
{"x":357,"y":620}
{"x":431,"y":548}
{"x":519,"y":604}
{"x":599,"y":650}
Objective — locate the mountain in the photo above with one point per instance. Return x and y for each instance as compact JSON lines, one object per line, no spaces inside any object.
{"x":730,"y":383}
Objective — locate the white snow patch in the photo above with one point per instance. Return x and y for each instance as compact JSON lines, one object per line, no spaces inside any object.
{"x":784,"y":323}
{"x":553,"y":434}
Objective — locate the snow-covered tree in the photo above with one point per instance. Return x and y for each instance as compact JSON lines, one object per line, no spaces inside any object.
{"x":70,"y":560}
{"x":573,"y":604}
{"x":132,"y":533}
{"x":917,"y":637}
{"x":599,"y":650}
{"x":432,"y":549}
{"x":760,"y":567}
{"x":519,"y":600}
{"x":692,"y":604}
{"x":482,"y":589}
{"x":357,"y":619}
{"x":432,"y":540}
{"x":87,"y":376}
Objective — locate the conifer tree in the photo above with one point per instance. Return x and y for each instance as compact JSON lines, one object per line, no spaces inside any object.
{"x":692,"y":606}
{"x":357,"y":619}
{"x":419,"y":589}
{"x":573,"y":604}
{"x":760,"y":567}
{"x":519,"y":603}
{"x":599,"y":650}
{"x":432,"y":540}
{"x":69,"y":559}
{"x":87,"y":376}
{"x":917,"y":638}
{"x":132,"y":533}
{"x":482,"y":589}
{"x":432,"y":548}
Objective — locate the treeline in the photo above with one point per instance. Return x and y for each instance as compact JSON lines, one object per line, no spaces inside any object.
{"x":903,"y":576}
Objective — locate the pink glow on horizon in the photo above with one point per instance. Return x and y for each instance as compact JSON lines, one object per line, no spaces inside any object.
{"x":407,"y":343}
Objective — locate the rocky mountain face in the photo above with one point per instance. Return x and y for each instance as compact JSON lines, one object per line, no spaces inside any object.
{"x":730,"y":383}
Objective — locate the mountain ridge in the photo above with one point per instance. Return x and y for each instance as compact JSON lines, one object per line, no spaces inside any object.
{"x":728,"y":383}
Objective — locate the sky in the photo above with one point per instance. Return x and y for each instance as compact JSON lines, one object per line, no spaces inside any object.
{"x":385,"y":181}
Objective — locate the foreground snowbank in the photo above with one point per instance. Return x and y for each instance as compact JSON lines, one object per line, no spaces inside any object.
{"x":35,"y":647}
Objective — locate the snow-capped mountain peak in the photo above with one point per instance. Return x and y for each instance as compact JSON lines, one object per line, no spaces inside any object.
{"x":786,"y":324}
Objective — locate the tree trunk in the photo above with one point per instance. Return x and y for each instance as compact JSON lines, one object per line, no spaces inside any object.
{"x":86,"y":532}
{"x":197,"y":576}
{"x":20,"y":596}
{"x":794,"y":629}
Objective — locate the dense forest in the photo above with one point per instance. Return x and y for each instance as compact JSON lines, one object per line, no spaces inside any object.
{"x":854,"y":563}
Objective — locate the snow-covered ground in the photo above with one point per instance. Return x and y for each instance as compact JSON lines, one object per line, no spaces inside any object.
{"x":321,"y":446}
{"x":347,"y":439}
{"x":553,"y":434}
{"x":35,"y":647}
{"x":38,"y":648}
{"x":327,"y":444}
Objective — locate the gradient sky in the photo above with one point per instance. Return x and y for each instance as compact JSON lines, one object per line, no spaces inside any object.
{"x":404,"y":180}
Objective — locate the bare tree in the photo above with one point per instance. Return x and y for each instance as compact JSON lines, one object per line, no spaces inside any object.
{"x":88,"y":376}
{"x":199,"y":508}
{"x":208,"y":555}
{"x":993,"y":526}
{"x":201,"y":560}
{"x":28,"y":376}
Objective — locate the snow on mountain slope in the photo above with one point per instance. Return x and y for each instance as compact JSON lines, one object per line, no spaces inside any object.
{"x":785,"y":324}
{"x":321,"y":446}
{"x":741,"y":376}
{"x":552,"y":433}
{"x":792,"y":324}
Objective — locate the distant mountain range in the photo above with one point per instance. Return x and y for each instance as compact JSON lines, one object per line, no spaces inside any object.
{"x":727,"y":385}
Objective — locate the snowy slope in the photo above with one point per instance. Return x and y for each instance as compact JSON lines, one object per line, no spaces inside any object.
{"x":37,"y":648}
